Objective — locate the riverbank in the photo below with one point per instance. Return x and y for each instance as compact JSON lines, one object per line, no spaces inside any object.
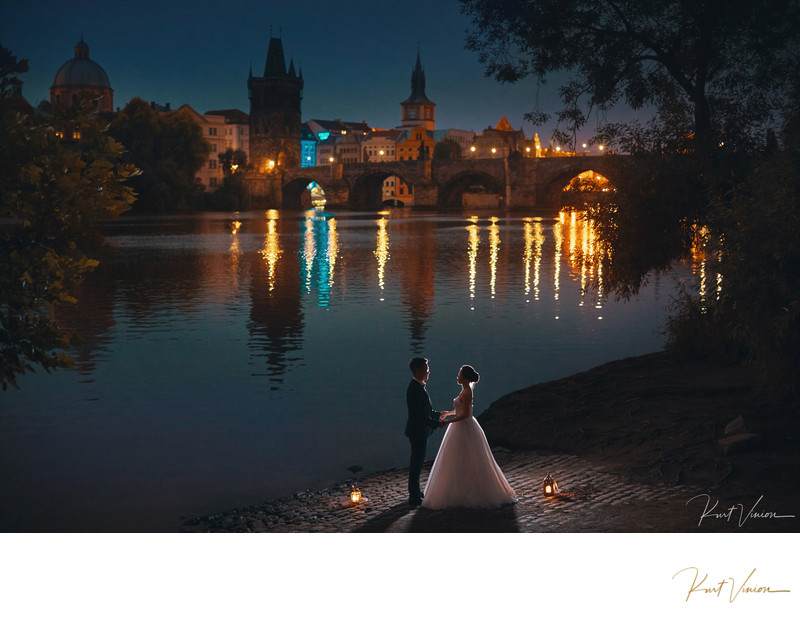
{"x":631,"y":443}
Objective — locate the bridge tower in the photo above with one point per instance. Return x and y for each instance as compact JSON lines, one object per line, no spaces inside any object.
{"x":274,"y":125}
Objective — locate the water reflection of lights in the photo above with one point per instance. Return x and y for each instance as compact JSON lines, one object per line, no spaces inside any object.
{"x":319,"y":254}
{"x":537,"y":261}
{"x":235,"y":250}
{"x":271,"y":251}
{"x":333,"y":249}
{"x":309,"y":249}
{"x":585,"y":255}
{"x":699,"y":246}
{"x":701,"y":249}
{"x":382,"y":251}
{"x":528,"y":228}
{"x":534,"y":240}
{"x":558,"y":235}
{"x":494,"y":248}
{"x":474,"y":242}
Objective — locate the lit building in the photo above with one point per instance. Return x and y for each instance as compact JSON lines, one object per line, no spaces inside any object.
{"x":380,"y":145}
{"x":81,"y":75}
{"x":222,"y":130}
{"x":237,"y":130}
{"x":308,"y":147}
{"x":415,"y":143}
{"x":502,"y":140}
{"x":338,"y":139}
{"x":348,"y":148}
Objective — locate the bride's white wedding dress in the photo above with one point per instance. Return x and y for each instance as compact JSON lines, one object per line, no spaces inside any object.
{"x":465,"y":473}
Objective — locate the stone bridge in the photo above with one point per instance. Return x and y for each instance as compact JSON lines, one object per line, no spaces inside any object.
{"x":516,"y":181}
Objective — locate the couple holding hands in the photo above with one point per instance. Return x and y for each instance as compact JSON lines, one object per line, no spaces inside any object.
{"x":465,"y":473}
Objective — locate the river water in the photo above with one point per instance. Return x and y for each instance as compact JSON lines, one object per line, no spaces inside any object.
{"x":228,"y":359}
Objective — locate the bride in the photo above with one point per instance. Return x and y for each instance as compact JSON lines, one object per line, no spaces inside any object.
{"x":465,"y":473}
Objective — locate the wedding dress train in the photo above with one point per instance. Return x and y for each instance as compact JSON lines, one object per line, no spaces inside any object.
{"x":465,"y":473}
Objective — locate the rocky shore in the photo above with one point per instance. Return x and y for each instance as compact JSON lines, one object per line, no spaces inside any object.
{"x":630,"y":442}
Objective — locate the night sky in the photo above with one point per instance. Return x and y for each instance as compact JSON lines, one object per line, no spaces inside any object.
{"x":356,"y":56}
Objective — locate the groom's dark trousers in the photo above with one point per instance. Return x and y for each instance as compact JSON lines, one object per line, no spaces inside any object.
{"x":422,"y":421}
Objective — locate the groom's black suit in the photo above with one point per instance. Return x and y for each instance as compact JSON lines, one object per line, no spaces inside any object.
{"x":422,"y":421}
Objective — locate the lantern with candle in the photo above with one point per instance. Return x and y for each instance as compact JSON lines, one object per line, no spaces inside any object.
{"x":355,"y":495}
{"x":549,"y":486}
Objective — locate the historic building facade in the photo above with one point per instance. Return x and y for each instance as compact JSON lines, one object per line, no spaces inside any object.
{"x":415,"y":144}
{"x":81,"y":75}
{"x":502,"y":140}
{"x":222,"y":130}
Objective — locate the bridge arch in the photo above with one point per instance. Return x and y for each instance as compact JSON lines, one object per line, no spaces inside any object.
{"x":552,"y":190}
{"x":367,"y":190}
{"x":451,"y":192}
{"x":296,"y":194}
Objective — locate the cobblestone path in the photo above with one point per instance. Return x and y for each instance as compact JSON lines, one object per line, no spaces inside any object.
{"x":591,"y":499}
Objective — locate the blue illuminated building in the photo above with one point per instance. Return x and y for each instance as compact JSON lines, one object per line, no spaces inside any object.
{"x":308,"y":147}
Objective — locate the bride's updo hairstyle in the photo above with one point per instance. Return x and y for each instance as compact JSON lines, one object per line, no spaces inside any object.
{"x":470,"y":374}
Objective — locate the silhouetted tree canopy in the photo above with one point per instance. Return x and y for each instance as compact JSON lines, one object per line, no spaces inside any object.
{"x":169,"y":148}
{"x":59,"y":173}
{"x":714,"y":69}
{"x":231,"y":158}
{"x":446,"y":149}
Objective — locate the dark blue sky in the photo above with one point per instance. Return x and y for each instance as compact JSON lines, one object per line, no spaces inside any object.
{"x":356,"y":55}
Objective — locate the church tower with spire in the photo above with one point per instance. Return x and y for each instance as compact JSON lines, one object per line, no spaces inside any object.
{"x":418,"y":109}
{"x":275,"y":113}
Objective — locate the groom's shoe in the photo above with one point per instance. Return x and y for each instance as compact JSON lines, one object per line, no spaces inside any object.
{"x":415,"y":500}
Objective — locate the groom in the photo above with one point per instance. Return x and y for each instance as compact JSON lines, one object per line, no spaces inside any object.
{"x":422,"y":420}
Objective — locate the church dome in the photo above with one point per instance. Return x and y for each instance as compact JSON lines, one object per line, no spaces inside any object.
{"x":81,"y":71}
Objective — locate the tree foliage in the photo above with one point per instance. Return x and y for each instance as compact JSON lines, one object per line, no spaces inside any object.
{"x":59,"y":173}
{"x":752,"y":246}
{"x":713,"y":69}
{"x":168,"y":148}
{"x":231,"y":196}
{"x":717,"y":76}
{"x":233,"y":161}
{"x":447,"y":149}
